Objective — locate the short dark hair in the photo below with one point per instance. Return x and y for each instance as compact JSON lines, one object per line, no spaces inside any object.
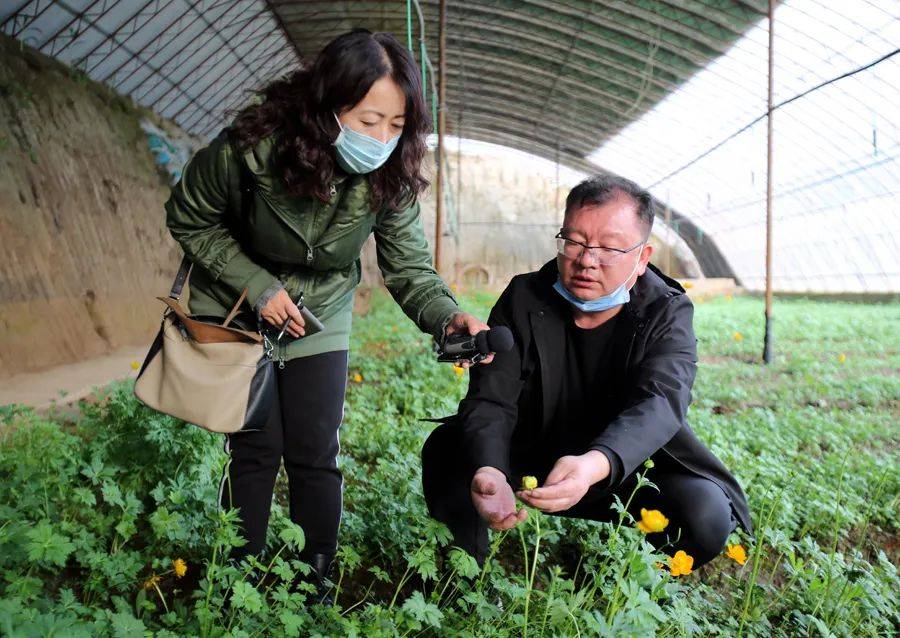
{"x":600,"y":189}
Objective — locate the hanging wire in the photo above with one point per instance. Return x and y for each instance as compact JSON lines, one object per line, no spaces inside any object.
{"x":715,"y":147}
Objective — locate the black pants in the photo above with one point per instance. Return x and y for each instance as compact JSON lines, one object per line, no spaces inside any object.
{"x":695,"y":505}
{"x":302,"y":429}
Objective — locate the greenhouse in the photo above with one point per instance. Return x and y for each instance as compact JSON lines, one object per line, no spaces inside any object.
{"x":449,"y":318}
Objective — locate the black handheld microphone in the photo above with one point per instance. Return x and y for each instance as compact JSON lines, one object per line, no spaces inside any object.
{"x":475,"y":347}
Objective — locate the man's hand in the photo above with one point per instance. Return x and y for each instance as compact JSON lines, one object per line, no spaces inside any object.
{"x":467,"y":324}
{"x":568,"y":481}
{"x":279,"y":308}
{"x":494,"y":499}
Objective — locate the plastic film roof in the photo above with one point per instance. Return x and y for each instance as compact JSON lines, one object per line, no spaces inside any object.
{"x":187,"y":60}
{"x":649,"y":89}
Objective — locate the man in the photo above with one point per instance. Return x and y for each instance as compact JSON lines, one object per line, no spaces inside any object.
{"x":599,"y":381}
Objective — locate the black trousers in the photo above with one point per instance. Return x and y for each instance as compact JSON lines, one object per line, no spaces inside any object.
{"x":303,"y":430}
{"x":694,"y":505}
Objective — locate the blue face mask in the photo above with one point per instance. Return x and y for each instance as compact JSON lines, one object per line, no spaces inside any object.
{"x":358,"y":153}
{"x":618,"y":297}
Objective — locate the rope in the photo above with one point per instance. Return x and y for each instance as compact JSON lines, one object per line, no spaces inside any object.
{"x":774,"y":108}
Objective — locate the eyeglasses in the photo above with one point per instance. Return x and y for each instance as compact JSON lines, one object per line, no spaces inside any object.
{"x":603,"y":255}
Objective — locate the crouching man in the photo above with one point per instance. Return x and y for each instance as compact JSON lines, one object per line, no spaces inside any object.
{"x":599,"y":381}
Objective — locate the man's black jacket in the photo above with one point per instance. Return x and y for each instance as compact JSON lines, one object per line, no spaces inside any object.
{"x":509,"y":407}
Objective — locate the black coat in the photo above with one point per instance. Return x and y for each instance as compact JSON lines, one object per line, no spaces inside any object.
{"x":509,"y":407}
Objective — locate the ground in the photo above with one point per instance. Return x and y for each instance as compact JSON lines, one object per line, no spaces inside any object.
{"x":96,"y":510}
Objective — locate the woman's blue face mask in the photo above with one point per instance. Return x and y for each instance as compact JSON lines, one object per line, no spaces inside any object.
{"x":360,"y":153}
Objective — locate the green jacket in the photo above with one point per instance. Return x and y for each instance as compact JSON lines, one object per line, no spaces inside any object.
{"x":308,"y":245}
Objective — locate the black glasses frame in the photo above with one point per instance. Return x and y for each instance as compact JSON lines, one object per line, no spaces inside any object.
{"x":621,"y":251}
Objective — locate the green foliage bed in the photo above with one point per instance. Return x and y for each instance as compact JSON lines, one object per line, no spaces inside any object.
{"x":95,"y":511}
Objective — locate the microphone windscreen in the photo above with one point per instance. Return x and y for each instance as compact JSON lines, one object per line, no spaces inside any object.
{"x":499,"y":339}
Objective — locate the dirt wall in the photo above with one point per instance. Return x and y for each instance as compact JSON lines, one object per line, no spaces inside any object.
{"x":83,"y":240}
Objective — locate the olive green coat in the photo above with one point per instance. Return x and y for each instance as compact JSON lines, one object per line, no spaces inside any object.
{"x":310,"y":246}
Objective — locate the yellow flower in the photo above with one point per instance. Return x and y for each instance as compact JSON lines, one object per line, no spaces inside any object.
{"x":135,"y":365}
{"x":180,"y":567}
{"x":842,"y":357}
{"x":737,"y":336}
{"x":459,"y":370}
{"x":454,"y":288}
{"x":687,"y":285}
{"x":357,"y":377}
{"x":737,"y":553}
{"x":529,"y":482}
{"x":652,"y":521}
{"x":680,"y":564}
{"x":151,"y":582}
{"x":729,"y":297}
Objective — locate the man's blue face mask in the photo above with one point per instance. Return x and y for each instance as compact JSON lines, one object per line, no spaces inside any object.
{"x":359,"y":153}
{"x":617,"y":297}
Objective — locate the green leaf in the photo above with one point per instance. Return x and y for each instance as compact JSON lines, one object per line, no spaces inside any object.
{"x":464,"y":564}
{"x":293,"y":536}
{"x":422,"y":611}
{"x":245,"y":596}
{"x":46,"y":546}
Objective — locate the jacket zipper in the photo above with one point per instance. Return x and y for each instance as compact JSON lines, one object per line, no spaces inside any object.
{"x":285,"y":217}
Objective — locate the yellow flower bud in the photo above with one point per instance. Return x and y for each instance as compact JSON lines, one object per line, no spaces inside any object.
{"x":151,"y":582}
{"x":358,"y":377}
{"x":737,"y":553}
{"x":842,"y":358}
{"x":652,"y":521}
{"x":180,"y":567}
{"x":135,"y":365}
{"x":529,"y":482}
{"x":649,"y":464}
{"x":737,"y":336}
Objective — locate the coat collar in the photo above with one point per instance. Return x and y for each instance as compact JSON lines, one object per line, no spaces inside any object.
{"x":548,"y":323}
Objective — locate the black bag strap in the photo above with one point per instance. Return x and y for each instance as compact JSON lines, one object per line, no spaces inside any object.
{"x":180,"y":277}
{"x":246,"y":190}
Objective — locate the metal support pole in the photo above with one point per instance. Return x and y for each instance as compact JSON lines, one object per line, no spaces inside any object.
{"x":439,"y":182}
{"x":556,"y":190}
{"x":457,"y":264}
{"x":767,"y":342}
{"x":670,"y":240}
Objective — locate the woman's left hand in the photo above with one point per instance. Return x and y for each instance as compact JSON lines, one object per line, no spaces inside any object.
{"x":465,"y":323}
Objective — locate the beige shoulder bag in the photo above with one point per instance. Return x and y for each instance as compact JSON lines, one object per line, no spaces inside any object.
{"x":210,"y":374}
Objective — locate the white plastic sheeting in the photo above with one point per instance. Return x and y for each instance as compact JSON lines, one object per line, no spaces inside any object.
{"x":836,"y":169}
{"x":188,"y":60}
{"x":837,"y":219}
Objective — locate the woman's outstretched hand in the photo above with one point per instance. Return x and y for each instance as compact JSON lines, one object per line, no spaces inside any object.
{"x":465,"y":323}
{"x":279,"y":308}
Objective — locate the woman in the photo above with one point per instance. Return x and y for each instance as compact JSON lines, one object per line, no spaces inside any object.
{"x":323,"y":158}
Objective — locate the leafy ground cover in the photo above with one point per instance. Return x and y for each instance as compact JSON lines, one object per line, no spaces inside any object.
{"x":109,"y":524}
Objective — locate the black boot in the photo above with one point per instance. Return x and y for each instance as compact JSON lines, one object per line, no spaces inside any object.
{"x":320,"y":577}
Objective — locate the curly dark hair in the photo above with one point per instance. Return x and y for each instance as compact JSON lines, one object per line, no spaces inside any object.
{"x":298,"y":108}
